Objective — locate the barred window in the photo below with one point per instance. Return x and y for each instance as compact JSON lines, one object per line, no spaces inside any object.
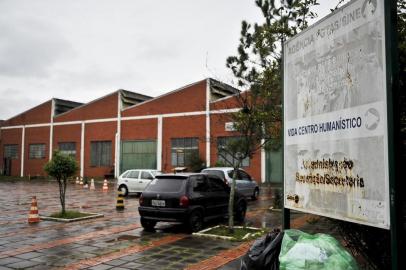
{"x":100,"y":154}
{"x":182,"y":151}
{"x":37,"y":151}
{"x":11,"y":151}
{"x":67,"y":148}
{"x":226,"y":157}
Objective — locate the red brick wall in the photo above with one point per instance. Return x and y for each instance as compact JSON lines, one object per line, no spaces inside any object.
{"x":12,"y":136}
{"x":37,"y":115}
{"x":189,"y":99}
{"x":139,"y":129}
{"x":105,"y":107}
{"x":99,"y":132}
{"x":182,"y":127}
{"x":217,"y":129}
{"x":37,"y":135}
{"x":68,"y":133}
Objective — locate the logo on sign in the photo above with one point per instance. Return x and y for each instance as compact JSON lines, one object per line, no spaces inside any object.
{"x":372,"y":119}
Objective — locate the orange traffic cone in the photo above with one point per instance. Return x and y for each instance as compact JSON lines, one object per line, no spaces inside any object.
{"x":33,"y":216}
{"x":92,"y":184}
{"x":105,"y":186}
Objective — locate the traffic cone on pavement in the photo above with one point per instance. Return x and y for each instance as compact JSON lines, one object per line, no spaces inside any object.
{"x":81,"y":181}
{"x":92,"y":184}
{"x":33,"y":216}
{"x":105,"y":186}
{"x":77,"y":180}
{"x":120,"y":201}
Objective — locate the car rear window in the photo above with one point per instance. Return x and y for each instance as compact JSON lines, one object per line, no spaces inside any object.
{"x":166,"y":185}
{"x":215,"y":172}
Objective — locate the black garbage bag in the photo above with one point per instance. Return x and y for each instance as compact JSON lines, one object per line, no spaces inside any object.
{"x":264,"y":253}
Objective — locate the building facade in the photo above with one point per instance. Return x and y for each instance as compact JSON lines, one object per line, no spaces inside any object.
{"x":125,"y":130}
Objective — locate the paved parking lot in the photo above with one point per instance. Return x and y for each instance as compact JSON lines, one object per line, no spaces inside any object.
{"x":115,"y":241}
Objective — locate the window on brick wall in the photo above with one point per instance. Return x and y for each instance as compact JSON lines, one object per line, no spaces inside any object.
{"x":11,"y":151}
{"x":100,"y":154}
{"x":226,"y":158}
{"x":182,"y":151}
{"x":67,"y":148}
{"x":37,"y":151}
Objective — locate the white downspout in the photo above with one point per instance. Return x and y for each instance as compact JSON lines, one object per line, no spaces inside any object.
{"x":22,"y":151}
{"x":51,"y":129}
{"x":82,"y":150}
{"x":159,"y":144}
{"x":118,"y":137}
{"x":208,"y":122}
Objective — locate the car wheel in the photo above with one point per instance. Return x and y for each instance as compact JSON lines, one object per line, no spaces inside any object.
{"x":148,"y":225}
{"x":124,"y":190}
{"x":240,"y":212}
{"x":195,"y":222}
{"x":256,"y":194}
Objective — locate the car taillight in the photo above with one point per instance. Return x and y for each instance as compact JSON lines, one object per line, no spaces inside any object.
{"x":141,"y":200}
{"x":184,"y":201}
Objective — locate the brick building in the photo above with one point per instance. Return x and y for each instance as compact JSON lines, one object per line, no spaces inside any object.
{"x":125,"y":130}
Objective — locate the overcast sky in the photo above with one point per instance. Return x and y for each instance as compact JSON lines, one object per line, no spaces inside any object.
{"x":82,"y":49}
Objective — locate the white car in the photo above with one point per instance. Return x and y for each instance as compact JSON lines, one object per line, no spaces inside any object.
{"x":244,"y":183}
{"x":135,"y":181}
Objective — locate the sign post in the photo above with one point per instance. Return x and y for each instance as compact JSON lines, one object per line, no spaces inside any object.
{"x":393,"y":96}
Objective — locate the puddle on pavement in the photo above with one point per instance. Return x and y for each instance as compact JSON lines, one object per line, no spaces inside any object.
{"x":124,"y":237}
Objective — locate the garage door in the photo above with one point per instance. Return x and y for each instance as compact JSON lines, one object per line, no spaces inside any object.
{"x":138,"y":155}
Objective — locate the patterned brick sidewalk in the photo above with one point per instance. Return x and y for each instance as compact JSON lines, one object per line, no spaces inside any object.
{"x":115,"y":241}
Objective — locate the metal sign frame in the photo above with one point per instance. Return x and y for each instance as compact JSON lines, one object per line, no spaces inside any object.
{"x":393,"y":130}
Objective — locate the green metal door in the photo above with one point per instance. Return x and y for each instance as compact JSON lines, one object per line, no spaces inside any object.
{"x":274,"y":166}
{"x":138,"y":155}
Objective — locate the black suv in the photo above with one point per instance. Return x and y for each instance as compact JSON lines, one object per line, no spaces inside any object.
{"x":187,"y":198}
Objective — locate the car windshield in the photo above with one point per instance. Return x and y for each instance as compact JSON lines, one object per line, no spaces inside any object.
{"x":166,"y":185}
{"x":215,"y":172}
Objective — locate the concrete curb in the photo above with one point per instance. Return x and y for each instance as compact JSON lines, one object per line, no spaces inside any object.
{"x":203,"y":233}
{"x":92,"y":216}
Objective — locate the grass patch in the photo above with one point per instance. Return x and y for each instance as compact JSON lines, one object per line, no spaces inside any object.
{"x":70,"y":215}
{"x":238,"y":234}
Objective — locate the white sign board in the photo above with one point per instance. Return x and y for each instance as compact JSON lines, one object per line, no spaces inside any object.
{"x":229,"y":126}
{"x":335,"y":132}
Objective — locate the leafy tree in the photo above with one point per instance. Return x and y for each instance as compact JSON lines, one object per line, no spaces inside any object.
{"x":257,"y":67}
{"x":61,"y":167}
{"x":196,"y":163}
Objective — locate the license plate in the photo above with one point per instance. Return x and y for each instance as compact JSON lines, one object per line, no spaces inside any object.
{"x":158,"y":203}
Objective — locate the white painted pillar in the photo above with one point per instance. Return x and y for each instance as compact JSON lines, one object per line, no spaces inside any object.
{"x":208,"y":122}
{"x":118,"y":138}
{"x":22,"y":151}
{"x":263,"y":162}
{"x":159,"y":144}
{"x":82,"y":150}
{"x":51,"y":129}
